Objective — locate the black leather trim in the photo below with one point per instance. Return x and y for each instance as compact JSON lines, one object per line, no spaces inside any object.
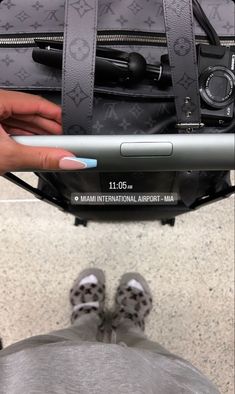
{"x":183,"y":60}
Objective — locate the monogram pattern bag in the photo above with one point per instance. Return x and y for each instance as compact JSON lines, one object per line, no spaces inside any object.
{"x":126,"y":25}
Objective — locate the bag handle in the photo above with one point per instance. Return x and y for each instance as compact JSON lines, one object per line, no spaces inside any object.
{"x":181,"y":44}
{"x":79,"y":65}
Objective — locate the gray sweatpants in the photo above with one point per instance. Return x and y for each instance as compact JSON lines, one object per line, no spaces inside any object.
{"x":86,"y":330}
{"x":79,"y":360}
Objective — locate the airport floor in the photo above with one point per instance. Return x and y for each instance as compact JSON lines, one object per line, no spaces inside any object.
{"x":190,"y":269}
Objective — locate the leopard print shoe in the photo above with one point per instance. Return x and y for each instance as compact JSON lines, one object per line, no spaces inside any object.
{"x":88,"y":294}
{"x":133,"y":301}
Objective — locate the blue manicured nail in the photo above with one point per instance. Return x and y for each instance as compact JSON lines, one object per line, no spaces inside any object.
{"x":77,"y":163}
{"x":89,"y":163}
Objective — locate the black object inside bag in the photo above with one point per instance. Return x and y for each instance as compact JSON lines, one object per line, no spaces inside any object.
{"x":117,"y":68}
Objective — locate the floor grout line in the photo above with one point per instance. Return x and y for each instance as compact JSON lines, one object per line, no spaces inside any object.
{"x":19,"y":201}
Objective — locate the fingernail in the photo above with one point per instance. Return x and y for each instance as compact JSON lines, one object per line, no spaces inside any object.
{"x":77,"y":163}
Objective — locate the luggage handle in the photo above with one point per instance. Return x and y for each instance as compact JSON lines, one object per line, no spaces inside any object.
{"x":126,"y":153}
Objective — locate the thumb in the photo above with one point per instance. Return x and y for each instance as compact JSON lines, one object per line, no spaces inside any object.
{"x":44,"y":158}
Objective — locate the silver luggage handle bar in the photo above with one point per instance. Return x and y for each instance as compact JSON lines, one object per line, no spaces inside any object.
{"x":128,"y":153}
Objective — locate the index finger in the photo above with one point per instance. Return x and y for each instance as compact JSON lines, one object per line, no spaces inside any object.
{"x":17,"y":103}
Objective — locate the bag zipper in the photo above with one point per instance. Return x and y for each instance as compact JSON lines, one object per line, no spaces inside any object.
{"x":147,"y":38}
{"x":27,"y":40}
{"x":103,"y":38}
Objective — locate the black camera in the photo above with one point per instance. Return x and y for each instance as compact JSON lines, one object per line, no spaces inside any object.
{"x":216,"y":67}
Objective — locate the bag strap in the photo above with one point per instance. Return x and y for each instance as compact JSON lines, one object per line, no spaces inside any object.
{"x":181,"y":44}
{"x":79,"y":65}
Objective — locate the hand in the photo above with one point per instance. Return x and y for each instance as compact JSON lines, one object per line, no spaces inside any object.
{"x":14,"y":156}
{"x":26,"y":114}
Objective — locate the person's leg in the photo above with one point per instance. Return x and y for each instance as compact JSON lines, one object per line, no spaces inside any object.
{"x":133,"y":303}
{"x":87,"y":298}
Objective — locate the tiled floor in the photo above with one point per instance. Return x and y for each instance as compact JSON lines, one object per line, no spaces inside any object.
{"x":190,"y":269}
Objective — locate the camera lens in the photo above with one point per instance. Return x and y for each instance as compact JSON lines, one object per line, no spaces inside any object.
{"x":217,"y":86}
